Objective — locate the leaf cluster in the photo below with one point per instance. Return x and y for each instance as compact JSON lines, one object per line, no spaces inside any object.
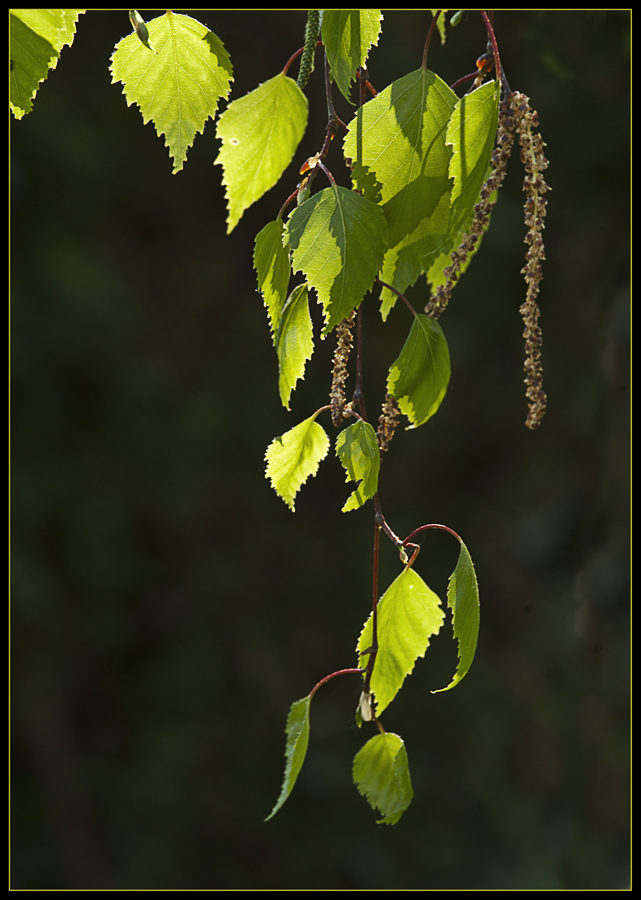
{"x":418,"y":158}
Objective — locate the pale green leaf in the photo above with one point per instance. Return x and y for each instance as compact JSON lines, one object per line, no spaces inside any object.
{"x":407,"y":615}
{"x":271,"y":261}
{"x":471,"y":132}
{"x":294,"y":343}
{"x":297,"y":732}
{"x":337,"y":239}
{"x":178,"y":86}
{"x":294,"y":456}
{"x":260,"y":133}
{"x":399,"y":137}
{"x":357,"y":449}
{"x":463,"y":600}
{"x":348,"y":35}
{"x":381,"y":773}
{"x":420,"y":376}
{"x":36,"y":37}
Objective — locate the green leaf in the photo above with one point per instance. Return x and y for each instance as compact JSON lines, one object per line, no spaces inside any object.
{"x":294,"y":456}
{"x":399,"y":136}
{"x":420,"y":376}
{"x":177,"y":87}
{"x":337,"y":239}
{"x":471,"y":132}
{"x":297,"y":732}
{"x":381,"y":773}
{"x":463,"y":600}
{"x":294,"y":343}
{"x":407,"y":615}
{"x":36,"y":37}
{"x":348,"y":35}
{"x":357,"y":449}
{"x":271,"y":261}
{"x":260,"y":133}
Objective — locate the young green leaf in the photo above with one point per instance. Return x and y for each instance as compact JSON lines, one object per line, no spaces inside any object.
{"x":400,"y":137}
{"x":337,"y":239}
{"x":294,"y":456}
{"x":260,"y":133}
{"x":271,"y":261}
{"x":294,"y":343}
{"x":357,"y":449}
{"x":348,"y":35}
{"x":297,"y":732}
{"x":178,"y":87}
{"x":420,"y":376}
{"x":381,"y":773}
{"x":36,"y":37}
{"x":463,"y":600}
{"x":471,"y":133}
{"x":407,"y":615}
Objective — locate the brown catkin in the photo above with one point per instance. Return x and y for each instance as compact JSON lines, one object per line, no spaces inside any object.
{"x":534,"y":185}
{"x":339,"y":370}
{"x":387,"y":422}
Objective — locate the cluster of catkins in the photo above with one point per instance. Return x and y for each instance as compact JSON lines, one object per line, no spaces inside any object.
{"x":515,"y":115}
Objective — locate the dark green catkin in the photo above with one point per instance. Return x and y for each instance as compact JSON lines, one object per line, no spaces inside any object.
{"x":311,"y":36}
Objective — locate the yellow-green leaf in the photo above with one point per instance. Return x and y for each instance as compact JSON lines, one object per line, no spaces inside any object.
{"x":294,"y":456}
{"x":348,"y":35}
{"x":338,"y":240}
{"x":271,"y":261}
{"x":407,"y":615}
{"x":381,"y":773}
{"x":260,"y":133}
{"x":177,"y":87}
{"x":420,"y":376}
{"x":357,"y":449}
{"x":463,"y":600}
{"x":294,"y":344}
{"x":297,"y":732}
{"x":36,"y":37}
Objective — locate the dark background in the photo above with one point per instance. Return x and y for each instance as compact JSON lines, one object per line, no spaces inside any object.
{"x":167,"y":608}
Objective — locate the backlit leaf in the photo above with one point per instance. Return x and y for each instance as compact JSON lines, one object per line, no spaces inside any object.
{"x":337,"y":239}
{"x":420,"y":376}
{"x":348,"y":35}
{"x":294,"y":456}
{"x":357,"y":449}
{"x":177,"y":87}
{"x":471,"y":132}
{"x":381,"y":773}
{"x":271,"y":261}
{"x":408,"y":614}
{"x":399,"y":136}
{"x":297,"y":732}
{"x":260,"y":133}
{"x":463,"y":600}
{"x":294,"y":343}
{"x":36,"y":37}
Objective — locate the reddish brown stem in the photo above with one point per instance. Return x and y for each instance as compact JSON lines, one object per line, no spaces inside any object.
{"x":429,"y":38}
{"x":333,"y":675}
{"x":425,"y":527}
